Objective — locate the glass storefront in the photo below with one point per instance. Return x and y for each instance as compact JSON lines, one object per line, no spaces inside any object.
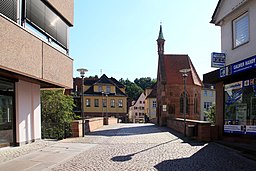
{"x":240,"y":107}
{"x":6,"y":113}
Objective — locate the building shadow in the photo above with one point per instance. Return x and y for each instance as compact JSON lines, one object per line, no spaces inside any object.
{"x":140,"y":129}
{"x":212,"y":157}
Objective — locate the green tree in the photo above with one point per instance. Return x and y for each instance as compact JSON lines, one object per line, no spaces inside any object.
{"x":132,"y":90}
{"x":144,"y":82}
{"x":57,"y":114}
{"x":210,"y":114}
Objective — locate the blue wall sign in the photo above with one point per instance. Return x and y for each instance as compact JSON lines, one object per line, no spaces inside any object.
{"x":238,"y":67}
{"x":218,"y":59}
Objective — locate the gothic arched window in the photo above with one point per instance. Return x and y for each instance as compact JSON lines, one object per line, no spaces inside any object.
{"x":182,"y":103}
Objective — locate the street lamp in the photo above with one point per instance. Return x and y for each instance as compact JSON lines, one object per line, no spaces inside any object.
{"x":102,"y":104}
{"x":107,"y":107}
{"x":185,"y":75}
{"x":82,"y":73}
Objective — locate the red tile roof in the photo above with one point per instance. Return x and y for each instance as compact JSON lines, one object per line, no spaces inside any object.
{"x":172,"y":64}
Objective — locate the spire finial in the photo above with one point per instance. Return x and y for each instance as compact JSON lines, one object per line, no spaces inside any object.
{"x":160,"y":36}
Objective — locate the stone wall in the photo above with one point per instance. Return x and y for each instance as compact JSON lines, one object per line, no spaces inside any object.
{"x":200,"y":130}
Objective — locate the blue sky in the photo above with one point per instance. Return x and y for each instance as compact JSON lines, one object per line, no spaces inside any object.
{"x":119,"y":36}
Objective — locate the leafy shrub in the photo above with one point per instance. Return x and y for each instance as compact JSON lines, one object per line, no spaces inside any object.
{"x":57,"y":114}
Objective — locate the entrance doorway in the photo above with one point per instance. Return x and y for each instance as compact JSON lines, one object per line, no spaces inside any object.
{"x":7,"y":118}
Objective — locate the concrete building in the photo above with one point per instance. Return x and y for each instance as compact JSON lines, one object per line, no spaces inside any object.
{"x":150,"y":103}
{"x":34,"y":55}
{"x":103,"y":97}
{"x":170,"y":86}
{"x":236,"y":82}
{"x":207,"y":100}
{"x":137,"y":110}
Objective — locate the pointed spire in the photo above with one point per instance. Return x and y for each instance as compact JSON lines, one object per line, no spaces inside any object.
{"x":160,"y":36}
{"x":160,"y":41}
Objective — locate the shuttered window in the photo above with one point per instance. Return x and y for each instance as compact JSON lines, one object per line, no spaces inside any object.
{"x":37,"y":13}
{"x":241,"y":30}
{"x":9,"y":9}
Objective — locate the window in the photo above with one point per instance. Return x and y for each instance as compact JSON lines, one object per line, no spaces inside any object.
{"x":108,"y":89}
{"x":112,"y":103}
{"x":205,"y":93}
{"x":88,"y":102}
{"x":140,"y":102}
{"x":241,"y":30}
{"x":41,"y":16}
{"x":136,"y":114}
{"x":120,"y":103}
{"x":96,"y":102}
{"x":240,"y":107}
{"x":9,"y":9}
{"x":104,"y":102}
{"x":210,"y":93}
{"x":154,"y":104}
{"x":99,"y":88}
{"x":207,"y":105}
{"x":196,"y":104}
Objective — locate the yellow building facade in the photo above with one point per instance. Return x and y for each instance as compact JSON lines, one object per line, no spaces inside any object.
{"x":104,"y":97}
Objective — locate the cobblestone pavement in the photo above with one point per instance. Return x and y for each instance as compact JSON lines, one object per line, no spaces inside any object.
{"x":143,"y":147}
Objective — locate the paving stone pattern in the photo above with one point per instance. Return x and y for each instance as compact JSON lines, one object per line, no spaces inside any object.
{"x":9,"y":153}
{"x":145,"y":147}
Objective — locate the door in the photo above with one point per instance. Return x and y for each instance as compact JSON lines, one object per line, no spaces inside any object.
{"x":7,"y":119}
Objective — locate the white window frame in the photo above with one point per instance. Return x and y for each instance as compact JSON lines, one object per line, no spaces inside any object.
{"x":241,"y":35}
{"x":88,"y":103}
{"x":112,"y":103}
{"x":120,"y":103}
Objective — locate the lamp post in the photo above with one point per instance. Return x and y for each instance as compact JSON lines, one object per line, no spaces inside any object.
{"x":102,"y":105}
{"x":107,"y":108}
{"x":82,"y":73}
{"x":185,"y":75}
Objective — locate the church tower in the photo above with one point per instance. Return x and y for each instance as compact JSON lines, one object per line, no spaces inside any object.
{"x":160,"y":42}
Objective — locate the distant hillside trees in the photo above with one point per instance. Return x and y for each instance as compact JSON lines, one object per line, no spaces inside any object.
{"x":134,"y":89}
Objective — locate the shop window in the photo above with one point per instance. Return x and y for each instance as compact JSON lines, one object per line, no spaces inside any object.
{"x":240,"y":107}
{"x":241,"y":30}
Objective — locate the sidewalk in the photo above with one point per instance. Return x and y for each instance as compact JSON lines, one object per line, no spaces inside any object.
{"x":40,"y":155}
{"x":247,"y":150}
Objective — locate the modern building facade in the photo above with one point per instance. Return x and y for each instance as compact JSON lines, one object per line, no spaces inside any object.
{"x":137,"y":110}
{"x":104,"y":97}
{"x":170,"y":86}
{"x":150,"y":103}
{"x":236,"y":82}
{"x":34,"y":55}
{"x":207,"y":100}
